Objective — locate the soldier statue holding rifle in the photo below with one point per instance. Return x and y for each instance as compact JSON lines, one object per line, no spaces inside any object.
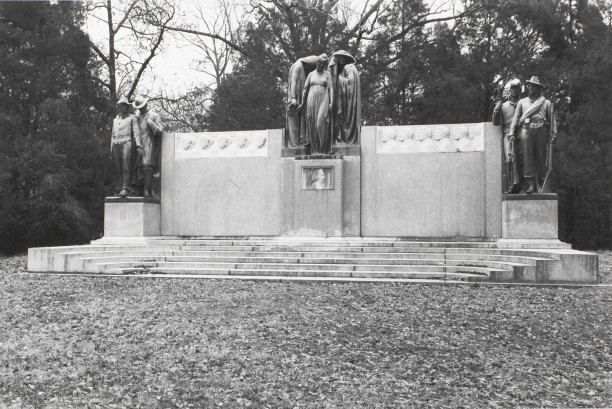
{"x":535,"y":124}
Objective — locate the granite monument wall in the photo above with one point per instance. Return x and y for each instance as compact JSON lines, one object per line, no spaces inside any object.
{"x":437,"y":181}
{"x":221,"y":183}
{"x":434,"y":181}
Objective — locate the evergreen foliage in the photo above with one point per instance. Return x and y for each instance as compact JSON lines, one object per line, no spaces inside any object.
{"x":251,"y":96}
{"x":52,"y":163}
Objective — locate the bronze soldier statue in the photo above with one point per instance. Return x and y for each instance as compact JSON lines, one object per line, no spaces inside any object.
{"x":151,"y":129}
{"x":125,"y":134}
{"x":503,"y":115}
{"x":535,"y":122}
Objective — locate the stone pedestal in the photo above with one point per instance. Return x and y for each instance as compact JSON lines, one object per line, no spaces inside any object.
{"x":532,"y":216}
{"x":318,"y":197}
{"x":131,"y":217}
{"x":314,"y":208}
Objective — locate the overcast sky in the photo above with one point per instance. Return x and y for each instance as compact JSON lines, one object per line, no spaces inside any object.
{"x":173,"y":70}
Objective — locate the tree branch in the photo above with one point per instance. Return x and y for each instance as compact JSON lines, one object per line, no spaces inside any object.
{"x":125,"y":16}
{"x":99,"y":52}
{"x":146,"y":62}
{"x":215,"y":36}
{"x":363,"y":20}
{"x":417,"y":23}
{"x":103,"y":83}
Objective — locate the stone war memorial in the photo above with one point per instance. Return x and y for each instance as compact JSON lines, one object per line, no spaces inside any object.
{"x":329,"y":199}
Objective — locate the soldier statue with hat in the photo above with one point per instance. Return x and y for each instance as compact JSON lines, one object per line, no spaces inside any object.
{"x":535,"y":124}
{"x":502,"y":115}
{"x":151,"y":129}
{"x":125,"y":134}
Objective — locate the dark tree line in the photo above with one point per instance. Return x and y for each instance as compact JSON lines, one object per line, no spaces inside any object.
{"x":53,"y":167}
{"x":417,"y":67}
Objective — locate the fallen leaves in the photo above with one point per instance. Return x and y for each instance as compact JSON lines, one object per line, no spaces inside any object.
{"x":71,"y":342}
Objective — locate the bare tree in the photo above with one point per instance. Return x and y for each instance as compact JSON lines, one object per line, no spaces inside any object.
{"x":134,"y":25}
{"x":319,"y":24}
{"x":302,"y":27}
{"x":216,"y":32}
{"x":216,"y":54}
{"x":187,"y":112}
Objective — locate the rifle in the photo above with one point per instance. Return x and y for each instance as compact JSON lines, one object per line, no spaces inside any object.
{"x":546,"y":184}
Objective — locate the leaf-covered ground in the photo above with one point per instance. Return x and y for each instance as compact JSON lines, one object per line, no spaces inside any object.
{"x":75,"y":342}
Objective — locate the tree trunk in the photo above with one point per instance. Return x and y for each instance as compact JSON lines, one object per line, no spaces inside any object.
{"x":111,"y":54}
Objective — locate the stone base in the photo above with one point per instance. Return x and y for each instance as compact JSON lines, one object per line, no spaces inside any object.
{"x":531,"y":216}
{"x":318,"y":210}
{"x":333,"y":210}
{"x":507,"y":260}
{"x":131,"y":217}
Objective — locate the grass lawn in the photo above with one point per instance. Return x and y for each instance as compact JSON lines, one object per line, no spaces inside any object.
{"x":76,"y":342}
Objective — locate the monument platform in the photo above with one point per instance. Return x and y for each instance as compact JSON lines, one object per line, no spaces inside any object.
{"x":417,"y":202}
{"x":337,"y":259}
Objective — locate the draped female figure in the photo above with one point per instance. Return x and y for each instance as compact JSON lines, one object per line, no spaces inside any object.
{"x":318,"y":95}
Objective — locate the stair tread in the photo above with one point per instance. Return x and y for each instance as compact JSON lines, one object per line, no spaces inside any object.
{"x":361,"y":273}
{"x":162,"y":258}
{"x":305,"y":265}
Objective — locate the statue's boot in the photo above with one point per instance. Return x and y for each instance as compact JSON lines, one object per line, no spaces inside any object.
{"x":513,"y":189}
{"x":531,"y":186}
{"x":126,"y":183}
{"x":148,"y":177}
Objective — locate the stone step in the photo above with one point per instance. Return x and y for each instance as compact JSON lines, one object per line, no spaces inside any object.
{"x":344,"y":242}
{"x":303,"y":249}
{"x":300,"y":273}
{"x":304,"y":261}
{"x":306,"y":249}
{"x":311,"y":248}
{"x":530,"y":260}
{"x":498,"y":265}
{"x":525,"y":257}
{"x":507,"y":266}
{"x":432,"y":246}
{"x":373,"y":242}
{"x":78,"y":261}
{"x":325,"y":259}
{"x":541,"y":253}
{"x":98,"y":267}
{"x":335,"y":280}
{"x":261,"y":259}
{"x":251,"y":254}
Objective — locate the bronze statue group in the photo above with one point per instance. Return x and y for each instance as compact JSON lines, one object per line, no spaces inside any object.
{"x":529,"y":129}
{"x":135,"y":147}
{"x":324,"y":111}
{"x":324,"y":103}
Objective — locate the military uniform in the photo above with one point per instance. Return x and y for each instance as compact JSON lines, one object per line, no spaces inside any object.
{"x":534,"y":122}
{"x":125,"y":134}
{"x":512,"y":150}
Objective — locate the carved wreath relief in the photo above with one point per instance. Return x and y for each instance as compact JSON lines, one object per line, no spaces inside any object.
{"x":433,"y":138}
{"x":221,"y":144}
